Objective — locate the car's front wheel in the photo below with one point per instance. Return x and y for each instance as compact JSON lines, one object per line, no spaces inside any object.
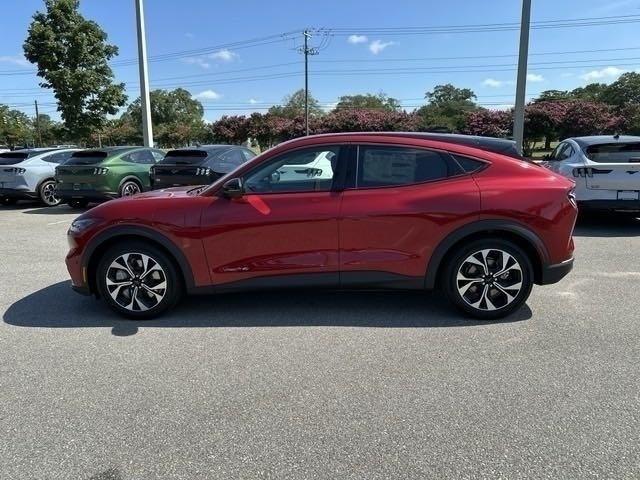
{"x":489,"y":278}
{"x":138,"y":281}
{"x":48,"y":194}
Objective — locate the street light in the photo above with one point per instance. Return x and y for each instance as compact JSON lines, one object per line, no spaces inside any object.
{"x":147,"y":128}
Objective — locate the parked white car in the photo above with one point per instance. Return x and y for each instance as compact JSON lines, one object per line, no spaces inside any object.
{"x":29,"y":174}
{"x":606,"y":170}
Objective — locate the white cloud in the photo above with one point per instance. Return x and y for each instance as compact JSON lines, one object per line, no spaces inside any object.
{"x":15,"y":60}
{"x":224,"y":55}
{"x":208,"y":95}
{"x":377,"y":46}
{"x":253,"y":101}
{"x":604,"y":73}
{"x":535,"y":78}
{"x":197,"y":61}
{"x":357,"y":39}
{"x":493,"y":83}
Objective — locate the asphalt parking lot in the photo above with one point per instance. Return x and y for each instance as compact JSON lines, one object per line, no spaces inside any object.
{"x":318,"y":384}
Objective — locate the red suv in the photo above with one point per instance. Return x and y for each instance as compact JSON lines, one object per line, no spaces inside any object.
{"x":374,"y":210}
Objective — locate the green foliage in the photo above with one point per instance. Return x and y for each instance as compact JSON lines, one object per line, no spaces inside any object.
{"x":176,"y":117}
{"x":447,"y":109}
{"x":293,"y":106}
{"x":379,"y":101}
{"x":15,"y":127}
{"x":624,"y":91}
{"x":72,"y":56}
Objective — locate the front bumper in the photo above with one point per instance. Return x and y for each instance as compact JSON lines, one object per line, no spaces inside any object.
{"x":610,"y":205}
{"x":554,"y":273}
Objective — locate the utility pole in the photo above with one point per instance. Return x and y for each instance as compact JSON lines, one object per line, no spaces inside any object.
{"x":306,"y":50}
{"x":147,"y":128}
{"x":38,"y":125}
{"x":521,"y":86}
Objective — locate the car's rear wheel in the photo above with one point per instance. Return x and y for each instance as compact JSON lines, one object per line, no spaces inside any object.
{"x":489,"y":278}
{"x":129,"y":188}
{"x":78,"y":203}
{"x":138,"y":281}
{"x":48,"y":194}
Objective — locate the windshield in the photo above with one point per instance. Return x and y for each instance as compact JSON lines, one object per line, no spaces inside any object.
{"x":184,"y":157}
{"x":86,"y":158}
{"x":11,"y":158}
{"x":614,"y":153}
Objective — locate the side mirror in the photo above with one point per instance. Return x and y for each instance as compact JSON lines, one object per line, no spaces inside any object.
{"x":233,"y":188}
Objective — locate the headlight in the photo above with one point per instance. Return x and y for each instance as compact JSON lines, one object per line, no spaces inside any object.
{"x":80,"y":224}
{"x":100,"y":171}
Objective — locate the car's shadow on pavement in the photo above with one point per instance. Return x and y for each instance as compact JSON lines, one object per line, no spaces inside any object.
{"x":57,"y":306}
{"x":607,"y":226}
{"x":59,"y":210}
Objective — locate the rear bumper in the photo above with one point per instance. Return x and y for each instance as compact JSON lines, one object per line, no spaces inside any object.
{"x":18,"y":193}
{"x":554,"y":273}
{"x":610,"y":205}
{"x":91,"y":195}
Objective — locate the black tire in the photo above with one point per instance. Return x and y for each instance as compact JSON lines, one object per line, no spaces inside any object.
{"x":486,"y":299}
{"x":78,"y":203}
{"x":7,"y":201}
{"x":117,"y":299}
{"x":47,"y":194}
{"x":129,"y":187}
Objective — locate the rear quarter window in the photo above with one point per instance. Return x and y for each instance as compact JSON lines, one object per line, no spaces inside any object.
{"x":468,"y":165}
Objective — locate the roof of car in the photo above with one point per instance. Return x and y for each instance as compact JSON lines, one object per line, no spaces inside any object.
{"x":602,"y":139}
{"x":493,"y":144}
{"x":209,"y":148}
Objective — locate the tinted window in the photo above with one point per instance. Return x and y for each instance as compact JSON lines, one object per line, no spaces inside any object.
{"x":388,"y":166}
{"x":184,"y":157}
{"x":614,"y":153}
{"x":86,"y":157}
{"x":234,"y":157}
{"x":248,"y":154}
{"x":141,"y":157}
{"x":561,"y":152}
{"x":11,"y":158}
{"x":58,"y":157}
{"x":306,"y":170}
{"x":157,"y":155}
{"x":467,"y":164}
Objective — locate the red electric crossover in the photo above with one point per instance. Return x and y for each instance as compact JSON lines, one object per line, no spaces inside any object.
{"x":363,"y":210}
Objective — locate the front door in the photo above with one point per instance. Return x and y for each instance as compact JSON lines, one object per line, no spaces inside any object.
{"x":284,"y":230}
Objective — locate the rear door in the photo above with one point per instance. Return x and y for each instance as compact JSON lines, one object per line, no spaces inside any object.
{"x":615,"y":166}
{"x":402,"y":202}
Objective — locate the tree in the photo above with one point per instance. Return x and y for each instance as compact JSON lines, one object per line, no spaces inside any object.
{"x":588,"y":118}
{"x":379,"y":101}
{"x":232,"y":129}
{"x":447,"y":108}
{"x":594,"y":92}
{"x":489,"y":123}
{"x":551,"y":95}
{"x":624,"y":91}
{"x":542,"y":120}
{"x":367,"y":120}
{"x":16,"y":127}
{"x":293,"y":106}
{"x":72,"y":56}
{"x":176,"y":117}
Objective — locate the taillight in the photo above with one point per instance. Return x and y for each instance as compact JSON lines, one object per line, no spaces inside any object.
{"x":17,"y":171}
{"x":582,"y":172}
{"x":100,"y":171}
{"x":203,"y":171}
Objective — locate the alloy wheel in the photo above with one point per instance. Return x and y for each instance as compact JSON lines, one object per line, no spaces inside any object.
{"x":49,"y":195}
{"x":136,"y":282}
{"x":130,"y":188}
{"x":489,"y":279}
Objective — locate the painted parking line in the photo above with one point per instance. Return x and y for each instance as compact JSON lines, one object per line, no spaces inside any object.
{"x":57,"y":223}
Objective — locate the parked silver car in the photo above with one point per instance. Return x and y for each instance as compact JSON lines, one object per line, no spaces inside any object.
{"x":29,"y":174}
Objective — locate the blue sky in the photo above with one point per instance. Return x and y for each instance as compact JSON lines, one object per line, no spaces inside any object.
{"x":357,"y":55}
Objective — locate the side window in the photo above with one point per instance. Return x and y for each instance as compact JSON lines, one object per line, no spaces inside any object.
{"x":469,"y":165}
{"x":305,"y":170}
{"x":233,"y":157}
{"x":381,"y":166}
{"x":157,"y":155}
{"x":559,"y":152}
{"x":248,"y":154}
{"x":143,"y":157}
{"x":58,"y":157}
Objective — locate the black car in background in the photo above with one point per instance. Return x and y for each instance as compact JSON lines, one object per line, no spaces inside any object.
{"x":197,"y":165}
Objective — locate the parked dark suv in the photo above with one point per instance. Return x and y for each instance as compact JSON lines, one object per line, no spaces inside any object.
{"x":197,"y":166}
